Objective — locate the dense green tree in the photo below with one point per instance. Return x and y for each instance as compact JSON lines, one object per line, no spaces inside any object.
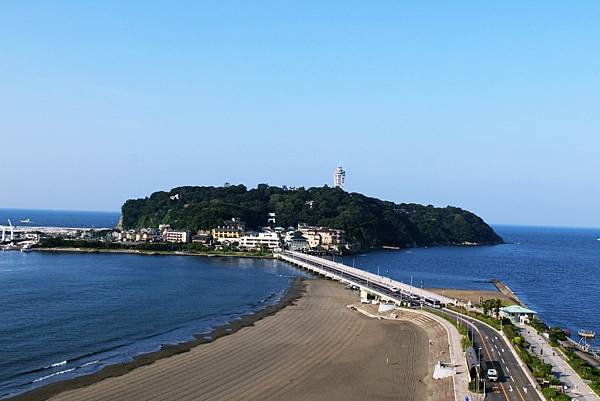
{"x":368,"y":221}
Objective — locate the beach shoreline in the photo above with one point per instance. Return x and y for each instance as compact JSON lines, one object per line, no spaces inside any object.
{"x":294,"y":292}
{"x":151,"y":253}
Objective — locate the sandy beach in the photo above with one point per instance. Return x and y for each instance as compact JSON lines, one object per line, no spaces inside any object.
{"x":314,"y":349}
{"x":473,"y":295}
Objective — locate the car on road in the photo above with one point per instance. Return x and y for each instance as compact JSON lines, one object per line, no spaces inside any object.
{"x":492,"y":375}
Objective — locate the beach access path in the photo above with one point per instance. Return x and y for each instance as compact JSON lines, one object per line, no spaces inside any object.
{"x":578,"y":389}
{"x":315,"y":349}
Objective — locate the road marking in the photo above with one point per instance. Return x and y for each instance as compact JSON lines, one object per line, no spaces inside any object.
{"x":502,"y":359}
{"x":507,"y":369}
{"x":512,"y":378}
{"x":525,"y":389}
{"x":502,"y":349}
{"x":510,"y":388}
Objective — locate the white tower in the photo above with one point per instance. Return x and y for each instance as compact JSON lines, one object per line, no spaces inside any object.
{"x":339,"y":177}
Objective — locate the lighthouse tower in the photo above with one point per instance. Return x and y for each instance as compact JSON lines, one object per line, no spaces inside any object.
{"x":339,"y":177}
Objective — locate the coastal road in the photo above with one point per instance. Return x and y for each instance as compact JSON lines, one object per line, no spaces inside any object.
{"x":513,"y":384}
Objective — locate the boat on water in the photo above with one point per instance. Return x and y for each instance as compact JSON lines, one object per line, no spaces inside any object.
{"x":586,"y":333}
{"x":26,"y":221}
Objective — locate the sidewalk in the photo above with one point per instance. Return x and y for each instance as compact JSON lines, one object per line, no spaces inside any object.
{"x":578,"y":389}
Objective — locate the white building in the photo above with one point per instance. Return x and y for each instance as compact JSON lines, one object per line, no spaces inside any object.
{"x":339,"y":177}
{"x":177,"y":236}
{"x":266,"y":239}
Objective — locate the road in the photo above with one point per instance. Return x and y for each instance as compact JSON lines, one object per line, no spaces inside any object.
{"x":513,"y":384}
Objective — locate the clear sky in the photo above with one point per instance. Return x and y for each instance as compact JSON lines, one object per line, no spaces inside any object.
{"x":491,"y":107}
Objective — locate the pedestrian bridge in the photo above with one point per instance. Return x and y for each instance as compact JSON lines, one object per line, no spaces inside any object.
{"x":379,"y":286}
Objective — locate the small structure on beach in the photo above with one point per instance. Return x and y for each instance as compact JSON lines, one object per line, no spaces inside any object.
{"x":517,"y":313}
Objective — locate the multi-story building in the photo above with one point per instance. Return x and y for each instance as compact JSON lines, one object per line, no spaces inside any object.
{"x":230,"y":230}
{"x":177,"y":236}
{"x":267,"y":239}
{"x":323,"y":237}
{"x":298,"y":242}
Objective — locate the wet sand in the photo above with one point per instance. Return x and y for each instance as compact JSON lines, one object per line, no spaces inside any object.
{"x":473,"y":295}
{"x":313,"y":349}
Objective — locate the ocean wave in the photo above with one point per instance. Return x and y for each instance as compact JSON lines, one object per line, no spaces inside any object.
{"x":90,"y":363}
{"x":57,"y":364}
{"x":39,"y":379}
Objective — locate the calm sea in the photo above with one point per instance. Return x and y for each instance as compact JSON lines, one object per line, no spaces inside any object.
{"x":65,"y":315}
{"x":58,"y":218}
{"x":555,"y":271}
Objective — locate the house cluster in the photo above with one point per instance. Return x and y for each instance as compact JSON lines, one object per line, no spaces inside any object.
{"x":233,"y":233}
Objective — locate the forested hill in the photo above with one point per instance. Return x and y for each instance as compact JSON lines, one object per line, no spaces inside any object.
{"x":370,"y":221}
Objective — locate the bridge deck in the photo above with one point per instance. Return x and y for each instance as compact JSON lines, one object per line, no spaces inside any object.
{"x":384,"y":287}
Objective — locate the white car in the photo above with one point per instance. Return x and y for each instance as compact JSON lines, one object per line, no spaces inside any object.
{"x":492,"y":375}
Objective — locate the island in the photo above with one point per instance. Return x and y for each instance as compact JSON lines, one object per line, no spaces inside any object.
{"x":367,"y":222}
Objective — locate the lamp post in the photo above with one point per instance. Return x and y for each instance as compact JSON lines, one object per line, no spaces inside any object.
{"x":479,"y":371}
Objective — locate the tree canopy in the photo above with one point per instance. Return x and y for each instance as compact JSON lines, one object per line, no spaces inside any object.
{"x":369,"y":221}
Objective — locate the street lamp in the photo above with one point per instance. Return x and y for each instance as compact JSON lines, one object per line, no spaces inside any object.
{"x":478,"y":370}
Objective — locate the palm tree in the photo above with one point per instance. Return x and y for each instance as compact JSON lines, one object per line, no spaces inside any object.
{"x":496,"y":305}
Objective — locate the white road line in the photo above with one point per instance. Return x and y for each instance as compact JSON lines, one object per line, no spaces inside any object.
{"x":512,"y":378}
{"x":507,"y":369}
{"x":502,"y":359}
{"x":525,"y":389}
{"x":510,"y":388}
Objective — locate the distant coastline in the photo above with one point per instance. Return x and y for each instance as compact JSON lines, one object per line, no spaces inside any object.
{"x":154,"y":253}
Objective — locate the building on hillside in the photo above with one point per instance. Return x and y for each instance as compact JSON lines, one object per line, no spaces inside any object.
{"x":177,"y":236}
{"x":271,"y":220}
{"x":324,"y":238}
{"x":517,"y":314}
{"x":339,"y":177}
{"x":230,"y":230}
{"x":226,"y":233}
{"x":297,"y":242}
{"x":332,"y":239}
{"x":266,"y":239}
{"x":202,"y":237}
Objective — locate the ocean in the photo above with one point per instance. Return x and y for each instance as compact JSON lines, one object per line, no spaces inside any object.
{"x":64,"y":315}
{"x":58,"y":218}
{"x":554,"y":271}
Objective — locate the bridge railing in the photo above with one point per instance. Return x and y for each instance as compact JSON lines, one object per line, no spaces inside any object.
{"x":374,"y":278}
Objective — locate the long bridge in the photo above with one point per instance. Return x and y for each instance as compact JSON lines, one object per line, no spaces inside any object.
{"x":382,"y":287}
{"x":520,"y":387}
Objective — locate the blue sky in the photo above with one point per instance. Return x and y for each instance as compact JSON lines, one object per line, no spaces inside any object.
{"x":491,"y":107}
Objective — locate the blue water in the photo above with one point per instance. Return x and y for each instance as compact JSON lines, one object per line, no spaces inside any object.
{"x":65,"y":315}
{"x":59,"y":218}
{"x":555,"y":271}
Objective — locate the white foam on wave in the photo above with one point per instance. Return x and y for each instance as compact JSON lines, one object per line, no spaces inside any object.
{"x":90,"y":363}
{"x":54,"y":365}
{"x":39,"y":379}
